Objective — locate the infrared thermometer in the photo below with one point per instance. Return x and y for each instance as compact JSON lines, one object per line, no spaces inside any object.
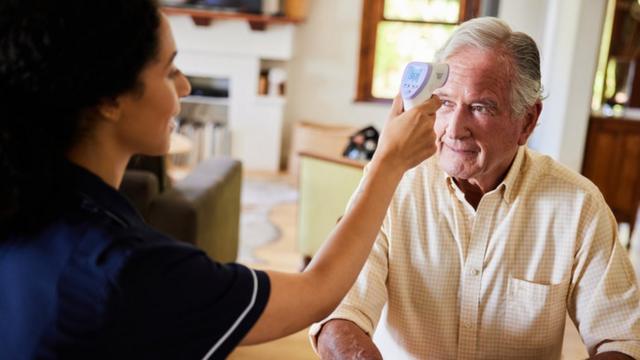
{"x":419,"y":80}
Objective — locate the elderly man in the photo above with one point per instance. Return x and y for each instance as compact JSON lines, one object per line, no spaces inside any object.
{"x":488,"y":245}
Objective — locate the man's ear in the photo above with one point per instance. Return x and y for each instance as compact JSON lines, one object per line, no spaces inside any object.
{"x":529,"y":122}
{"x":109,"y":109}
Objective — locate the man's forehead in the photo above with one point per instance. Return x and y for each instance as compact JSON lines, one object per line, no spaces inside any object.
{"x":487,"y":98}
{"x":483,"y":62}
{"x":477,"y":73}
{"x":472,"y":87}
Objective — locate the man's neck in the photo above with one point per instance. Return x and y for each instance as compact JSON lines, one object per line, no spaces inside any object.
{"x":475,"y":188}
{"x":472,"y":193}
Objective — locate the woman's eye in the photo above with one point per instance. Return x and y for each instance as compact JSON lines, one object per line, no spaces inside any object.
{"x":174,"y":72}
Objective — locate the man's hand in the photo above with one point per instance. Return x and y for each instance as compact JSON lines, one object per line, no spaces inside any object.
{"x":342,"y":339}
{"x":612,"y":355}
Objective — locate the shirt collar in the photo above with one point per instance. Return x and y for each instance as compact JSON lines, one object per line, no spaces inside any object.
{"x":97,"y":195}
{"x":508,"y":183}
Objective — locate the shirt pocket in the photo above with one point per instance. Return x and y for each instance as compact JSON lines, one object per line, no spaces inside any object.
{"x":535,"y":315}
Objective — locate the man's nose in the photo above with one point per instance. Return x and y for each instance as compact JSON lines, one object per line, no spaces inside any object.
{"x":457,"y":127}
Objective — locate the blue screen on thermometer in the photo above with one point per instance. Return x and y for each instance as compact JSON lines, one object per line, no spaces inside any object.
{"x":414,"y":74}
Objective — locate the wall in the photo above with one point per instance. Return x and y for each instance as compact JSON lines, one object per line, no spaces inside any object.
{"x":323,"y":70}
{"x":568,"y":33}
{"x":230,"y":49}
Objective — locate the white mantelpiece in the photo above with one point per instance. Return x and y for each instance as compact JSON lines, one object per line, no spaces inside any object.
{"x":230,"y":49}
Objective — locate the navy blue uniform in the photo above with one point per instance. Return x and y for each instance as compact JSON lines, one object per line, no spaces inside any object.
{"x":97,"y":282}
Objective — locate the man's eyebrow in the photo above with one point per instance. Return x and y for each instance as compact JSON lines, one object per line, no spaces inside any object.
{"x":173,"y":56}
{"x":485,"y":101}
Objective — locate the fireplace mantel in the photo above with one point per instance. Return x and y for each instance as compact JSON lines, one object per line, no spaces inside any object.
{"x":204,"y":17}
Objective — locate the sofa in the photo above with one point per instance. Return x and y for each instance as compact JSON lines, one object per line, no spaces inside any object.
{"x":202,"y":209}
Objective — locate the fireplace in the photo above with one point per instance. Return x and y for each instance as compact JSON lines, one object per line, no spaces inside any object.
{"x":229,"y":55}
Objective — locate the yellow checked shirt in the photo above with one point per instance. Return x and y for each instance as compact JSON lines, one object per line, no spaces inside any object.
{"x":496,"y":283}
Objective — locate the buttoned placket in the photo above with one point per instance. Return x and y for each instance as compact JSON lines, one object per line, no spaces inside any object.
{"x":471,"y":275}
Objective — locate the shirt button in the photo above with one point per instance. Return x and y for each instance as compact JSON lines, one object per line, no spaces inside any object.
{"x":467,"y":325}
{"x":474,"y":272}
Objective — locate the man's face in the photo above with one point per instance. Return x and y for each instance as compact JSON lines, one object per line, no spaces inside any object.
{"x":477,"y":136}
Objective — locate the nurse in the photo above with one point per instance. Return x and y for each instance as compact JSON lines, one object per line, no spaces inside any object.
{"x":84,"y":85}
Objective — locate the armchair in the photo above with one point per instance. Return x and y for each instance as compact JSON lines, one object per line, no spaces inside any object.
{"x":325,"y":185}
{"x":202,"y":209}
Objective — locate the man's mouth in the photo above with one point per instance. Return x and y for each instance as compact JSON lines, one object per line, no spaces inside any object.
{"x":461,"y":149}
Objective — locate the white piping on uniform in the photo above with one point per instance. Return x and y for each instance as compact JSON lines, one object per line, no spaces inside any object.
{"x":240,"y":318}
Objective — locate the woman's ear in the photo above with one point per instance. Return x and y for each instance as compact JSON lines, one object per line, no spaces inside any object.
{"x":109,"y":109}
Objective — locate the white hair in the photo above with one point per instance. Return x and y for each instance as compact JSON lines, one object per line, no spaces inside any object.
{"x":493,"y":34}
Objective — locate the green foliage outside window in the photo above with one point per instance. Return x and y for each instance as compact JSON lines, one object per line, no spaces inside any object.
{"x":422,"y":10}
{"x":413,"y":30}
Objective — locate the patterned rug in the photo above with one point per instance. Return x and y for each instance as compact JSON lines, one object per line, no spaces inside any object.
{"x":258,"y":198}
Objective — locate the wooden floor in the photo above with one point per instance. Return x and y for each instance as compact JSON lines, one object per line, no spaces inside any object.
{"x":281,"y":255}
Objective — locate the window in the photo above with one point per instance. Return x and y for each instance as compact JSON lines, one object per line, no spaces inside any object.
{"x":617,"y":81}
{"x":395,"y":32}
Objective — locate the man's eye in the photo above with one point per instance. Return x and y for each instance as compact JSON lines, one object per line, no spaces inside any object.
{"x":480,"y":109}
{"x":446,"y":106}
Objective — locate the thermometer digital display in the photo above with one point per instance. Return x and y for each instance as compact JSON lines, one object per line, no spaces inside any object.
{"x":419,"y":80}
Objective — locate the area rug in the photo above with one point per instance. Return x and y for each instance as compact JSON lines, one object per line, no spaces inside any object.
{"x":258,"y":198}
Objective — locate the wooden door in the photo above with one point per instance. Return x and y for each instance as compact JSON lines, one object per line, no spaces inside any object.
{"x":612,"y":162}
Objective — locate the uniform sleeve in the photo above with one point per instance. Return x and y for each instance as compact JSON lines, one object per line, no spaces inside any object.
{"x":364,"y":302}
{"x":177,"y":303}
{"x":604,"y":302}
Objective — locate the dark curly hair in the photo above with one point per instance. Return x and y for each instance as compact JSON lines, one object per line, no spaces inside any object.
{"x":58,"y":61}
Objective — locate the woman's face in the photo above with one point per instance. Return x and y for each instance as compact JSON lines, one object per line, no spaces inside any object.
{"x":146,"y":118}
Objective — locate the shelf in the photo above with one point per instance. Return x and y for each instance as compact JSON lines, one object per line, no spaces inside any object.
{"x":198,"y":99}
{"x":360,"y":164}
{"x":203,"y":17}
{"x":625,"y":114}
{"x":271,"y":100}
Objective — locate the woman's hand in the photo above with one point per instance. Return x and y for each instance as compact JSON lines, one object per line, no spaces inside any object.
{"x":408,"y":137}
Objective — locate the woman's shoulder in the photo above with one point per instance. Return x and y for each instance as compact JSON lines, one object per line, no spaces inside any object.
{"x":69,"y":269}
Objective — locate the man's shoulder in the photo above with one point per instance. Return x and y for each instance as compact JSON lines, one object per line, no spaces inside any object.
{"x":425,"y":173}
{"x":549,"y":175}
{"x":421,"y":180}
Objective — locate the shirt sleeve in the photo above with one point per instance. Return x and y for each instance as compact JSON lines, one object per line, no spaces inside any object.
{"x":178,"y":303}
{"x":604,"y":301}
{"x":364,"y":302}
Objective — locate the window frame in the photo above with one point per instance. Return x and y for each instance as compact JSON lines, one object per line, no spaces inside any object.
{"x":372,"y":14}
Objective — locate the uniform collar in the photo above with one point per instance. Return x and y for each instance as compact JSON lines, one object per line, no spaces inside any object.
{"x":506,"y":186}
{"x":95,"y":195}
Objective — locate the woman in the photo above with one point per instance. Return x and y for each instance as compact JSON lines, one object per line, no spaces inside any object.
{"x":84,"y":86}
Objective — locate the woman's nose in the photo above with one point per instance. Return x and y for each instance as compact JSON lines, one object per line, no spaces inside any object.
{"x":184,"y":86}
